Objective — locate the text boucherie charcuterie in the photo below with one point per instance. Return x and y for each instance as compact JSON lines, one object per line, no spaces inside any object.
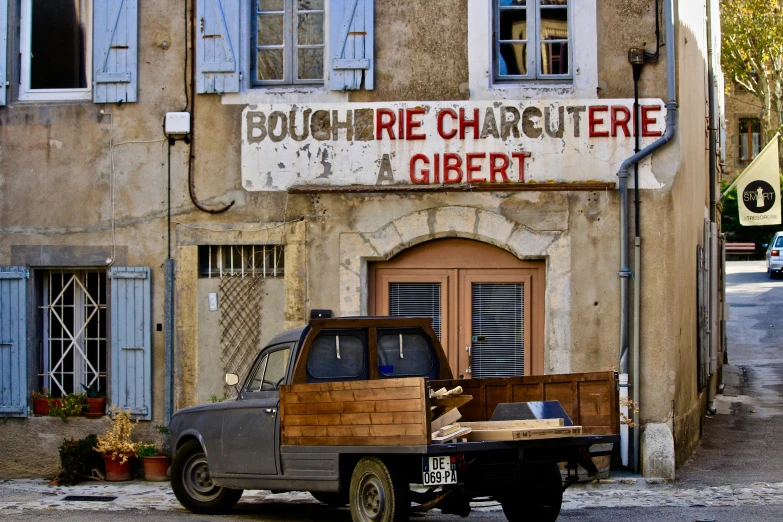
{"x":438,"y":142}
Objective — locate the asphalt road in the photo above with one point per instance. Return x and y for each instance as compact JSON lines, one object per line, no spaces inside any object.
{"x":743,"y":443}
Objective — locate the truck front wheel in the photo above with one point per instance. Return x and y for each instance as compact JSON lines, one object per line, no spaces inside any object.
{"x":538,"y":497}
{"x":193,"y":485}
{"x":378,"y":492}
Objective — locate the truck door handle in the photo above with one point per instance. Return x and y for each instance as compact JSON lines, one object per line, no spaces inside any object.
{"x":270,"y":410}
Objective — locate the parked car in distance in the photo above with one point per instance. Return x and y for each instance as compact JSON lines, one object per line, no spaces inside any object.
{"x":774,"y":257}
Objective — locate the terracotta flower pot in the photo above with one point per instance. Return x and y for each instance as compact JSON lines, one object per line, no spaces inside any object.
{"x":116,"y":470}
{"x":95,"y":407}
{"x":43,"y":406}
{"x":155,"y":468}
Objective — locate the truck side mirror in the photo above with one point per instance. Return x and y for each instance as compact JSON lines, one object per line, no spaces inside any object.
{"x":764,"y":245}
{"x":232,"y":379}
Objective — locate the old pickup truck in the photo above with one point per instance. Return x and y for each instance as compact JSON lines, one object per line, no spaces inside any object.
{"x":343,"y":408}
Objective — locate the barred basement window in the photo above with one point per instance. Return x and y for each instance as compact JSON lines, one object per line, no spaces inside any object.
{"x":241,"y":261}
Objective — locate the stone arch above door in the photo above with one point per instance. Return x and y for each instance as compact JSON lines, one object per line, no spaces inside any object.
{"x":359,"y":248}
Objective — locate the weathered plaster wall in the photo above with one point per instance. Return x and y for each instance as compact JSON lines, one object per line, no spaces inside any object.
{"x":420,"y":51}
{"x":56,"y":184}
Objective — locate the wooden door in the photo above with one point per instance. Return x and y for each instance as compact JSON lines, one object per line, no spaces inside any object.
{"x":442,"y":279}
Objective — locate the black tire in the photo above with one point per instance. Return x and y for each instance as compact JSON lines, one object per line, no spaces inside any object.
{"x":330,"y":498}
{"x":193,"y":485}
{"x":538,"y":499}
{"x":378,"y":493}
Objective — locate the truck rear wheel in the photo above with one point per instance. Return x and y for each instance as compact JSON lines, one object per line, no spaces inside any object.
{"x":378,"y":493}
{"x":539,"y":497}
{"x":193,"y":485}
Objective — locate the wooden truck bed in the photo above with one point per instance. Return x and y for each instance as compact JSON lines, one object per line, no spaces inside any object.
{"x":397,"y":411}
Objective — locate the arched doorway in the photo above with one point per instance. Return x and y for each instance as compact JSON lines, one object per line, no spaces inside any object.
{"x":487,"y":306}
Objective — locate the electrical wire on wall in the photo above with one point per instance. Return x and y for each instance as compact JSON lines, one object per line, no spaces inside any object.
{"x":112,"y":146}
{"x":191,"y":167}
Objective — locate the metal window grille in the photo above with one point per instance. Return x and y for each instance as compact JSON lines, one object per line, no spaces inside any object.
{"x":74,"y":331}
{"x":531,"y":40}
{"x":498,"y":330}
{"x":288,"y":42}
{"x":416,"y":300}
{"x":242,"y":261}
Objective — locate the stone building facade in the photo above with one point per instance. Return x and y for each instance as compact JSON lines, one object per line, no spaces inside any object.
{"x":363,"y":157}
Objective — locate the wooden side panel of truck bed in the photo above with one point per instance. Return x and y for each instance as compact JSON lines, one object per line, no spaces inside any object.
{"x":590,"y":399}
{"x":355,"y":413}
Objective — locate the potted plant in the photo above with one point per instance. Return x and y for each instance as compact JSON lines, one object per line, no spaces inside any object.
{"x":69,"y":406}
{"x":95,"y":400}
{"x":116,"y":446}
{"x":155,"y":459}
{"x":42,"y":401}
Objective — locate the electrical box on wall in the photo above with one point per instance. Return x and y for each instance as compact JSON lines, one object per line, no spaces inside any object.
{"x":177,"y":124}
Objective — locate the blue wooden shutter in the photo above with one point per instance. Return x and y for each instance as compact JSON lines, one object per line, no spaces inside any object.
{"x":351,"y":44}
{"x":3,"y":49}
{"x":13,"y":341}
{"x":131,"y":340}
{"x":217,"y":51}
{"x":115,"y":50}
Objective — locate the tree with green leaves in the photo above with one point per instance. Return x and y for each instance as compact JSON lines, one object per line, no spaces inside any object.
{"x":752,"y":55}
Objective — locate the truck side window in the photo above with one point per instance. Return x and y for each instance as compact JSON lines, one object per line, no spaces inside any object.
{"x":270,"y":371}
{"x":404,"y":353}
{"x":337,"y":355}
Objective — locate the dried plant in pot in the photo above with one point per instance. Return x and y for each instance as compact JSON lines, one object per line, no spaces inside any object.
{"x":42,"y":402}
{"x":95,"y":400}
{"x":116,"y":445}
{"x":155,"y":459}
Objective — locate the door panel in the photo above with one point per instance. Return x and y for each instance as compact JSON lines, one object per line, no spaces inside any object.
{"x":496,"y":307}
{"x":410,"y":292}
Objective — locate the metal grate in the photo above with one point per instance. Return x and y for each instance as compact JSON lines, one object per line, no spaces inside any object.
{"x":241,"y":261}
{"x":498,"y":330}
{"x":88,"y":498}
{"x":416,"y":300}
{"x":240,"y":323}
{"x":74,"y":326}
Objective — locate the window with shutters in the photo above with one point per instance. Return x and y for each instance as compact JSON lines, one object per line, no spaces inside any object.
{"x":73,"y":320}
{"x":531,"y":40}
{"x":749,"y":138}
{"x":288,"y":42}
{"x":55,"y":50}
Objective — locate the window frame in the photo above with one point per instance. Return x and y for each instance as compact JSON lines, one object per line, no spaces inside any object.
{"x":749,"y":139}
{"x":290,"y":47}
{"x":263,"y":358}
{"x":533,"y":36}
{"x":26,"y":93}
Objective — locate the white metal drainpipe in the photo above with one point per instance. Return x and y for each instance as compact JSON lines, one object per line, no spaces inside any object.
{"x":625,"y":272}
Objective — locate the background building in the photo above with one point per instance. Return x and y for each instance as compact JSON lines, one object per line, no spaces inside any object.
{"x":453,"y":159}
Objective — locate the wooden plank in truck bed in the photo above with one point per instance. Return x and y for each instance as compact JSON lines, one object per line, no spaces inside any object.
{"x":590,"y":399}
{"x":355,"y":413}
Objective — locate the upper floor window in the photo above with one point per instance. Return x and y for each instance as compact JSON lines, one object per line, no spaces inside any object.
{"x":531,"y":40}
{"x":55,"y":49}
{"x":749,"y":138}
{"x":288,"y":42}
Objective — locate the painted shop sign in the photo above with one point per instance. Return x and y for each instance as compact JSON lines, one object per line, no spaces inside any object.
{"x":444,"y":143}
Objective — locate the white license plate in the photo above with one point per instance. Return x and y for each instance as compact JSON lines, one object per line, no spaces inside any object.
{"x":438,"y":470}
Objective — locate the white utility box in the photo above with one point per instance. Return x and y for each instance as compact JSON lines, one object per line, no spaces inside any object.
{"x":177,"y":123}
